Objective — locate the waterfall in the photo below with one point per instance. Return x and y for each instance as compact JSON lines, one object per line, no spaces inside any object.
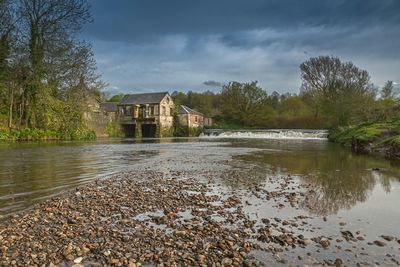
{"x":267,"y":134}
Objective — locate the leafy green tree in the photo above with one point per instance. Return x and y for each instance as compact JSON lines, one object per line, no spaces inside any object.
{"x":243,"y":102}
{"x":387,"y":92}
{"x":342,"y":91}
{"x":116,"y":98}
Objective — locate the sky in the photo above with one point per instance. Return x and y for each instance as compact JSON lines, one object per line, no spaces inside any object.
{"x":168,"y":45}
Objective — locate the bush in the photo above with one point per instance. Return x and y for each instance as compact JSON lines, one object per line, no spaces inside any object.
{"x":29,"y":134}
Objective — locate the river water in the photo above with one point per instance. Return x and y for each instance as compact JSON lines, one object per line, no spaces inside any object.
{"x":356,"y":192}
{"x":30,"y":172}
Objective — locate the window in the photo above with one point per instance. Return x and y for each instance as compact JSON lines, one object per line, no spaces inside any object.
{"x":151,"y":111}
{"x":195,"y":118}
{"x":164,"y":111}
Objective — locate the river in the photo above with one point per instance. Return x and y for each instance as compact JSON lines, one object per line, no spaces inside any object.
{"x":363,"y":191}
{"x":30,"y":172}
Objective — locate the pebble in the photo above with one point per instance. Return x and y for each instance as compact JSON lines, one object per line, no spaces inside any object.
{"x":78,"y":260}
{"x":388,"y":237}
{"x":201,"y":258}
{"x":379,"y":243}
{"x":152,"y":219}
{"x":324,"y":243}
{"x":107,"y":253}
{"x":338,"y":262}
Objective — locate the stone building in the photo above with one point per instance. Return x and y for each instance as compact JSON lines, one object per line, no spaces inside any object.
{"x":109,"y":108}
{"x":190,"y":118}
{"x":146,"y":115}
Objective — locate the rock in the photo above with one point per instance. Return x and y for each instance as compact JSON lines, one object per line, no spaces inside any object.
{"x":114,"y":261}
{"x":180,"y":233}
{"x":78,"y":260}
{"x":306,"y":242}
{"x":379,"y":243}
{"x":347,"y":235}
{"x":324,"y":243}
{"x":132,"y":264}
{"x":247,"y":263}
{"x":338,"y":262}
{"x":264,"y":221}
{"x":201,"y":258}
{"x":342,"y":223}
{"x":388,"y":237}
{"x":107,"y":253}
{"x":226,"y":261}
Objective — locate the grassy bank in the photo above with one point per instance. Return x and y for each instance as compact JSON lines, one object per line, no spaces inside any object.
{"x":29,"y":134}
{"x":382,"y":138}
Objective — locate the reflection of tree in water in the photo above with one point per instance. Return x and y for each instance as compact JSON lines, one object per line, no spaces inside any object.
{"x":244,"y":175}
{"x":335,"y":191}
{"x":337,"y":179}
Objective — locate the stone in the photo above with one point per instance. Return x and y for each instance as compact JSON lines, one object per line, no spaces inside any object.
{"x":107,"y":253}
{"x":324,"y":243}
{"x":379,"y":243}
{"x":338,"y":262}
{"x":227,"y":261}
{"x":78,"y":260}
{"x":201,"y":258}
{"x":388,"y":237}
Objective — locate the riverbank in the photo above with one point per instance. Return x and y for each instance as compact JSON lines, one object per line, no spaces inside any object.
{"x":175,"y":219}
{"x":371,"y":138}
{"x":31,"y":134}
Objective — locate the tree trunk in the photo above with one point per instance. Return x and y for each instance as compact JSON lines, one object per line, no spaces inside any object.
{"x":10,"y":109}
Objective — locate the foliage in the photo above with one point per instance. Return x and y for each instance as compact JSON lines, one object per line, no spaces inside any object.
{"x":341,"y":91}
{"x":366,"y":132}
{"x":114,"y":129}
{"x":186,"y":131}
{"x":246,"y":105}
{"x":29,"y":134}
{"x":116,"y":98}
{"x":48,"y":78}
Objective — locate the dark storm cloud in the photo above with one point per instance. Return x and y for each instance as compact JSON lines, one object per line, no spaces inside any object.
{"x":128,"y":20}
{"x":212,"y":83}
{"x":178,"y":44}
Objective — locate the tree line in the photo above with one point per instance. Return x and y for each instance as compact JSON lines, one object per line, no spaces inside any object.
{"x":48,"y":77}
{"x":332,"y":94}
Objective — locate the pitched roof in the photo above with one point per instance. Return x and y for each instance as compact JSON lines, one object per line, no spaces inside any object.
{"x":109,"y":106}
{"x":146,"y":98}
{"x":186,"y":110}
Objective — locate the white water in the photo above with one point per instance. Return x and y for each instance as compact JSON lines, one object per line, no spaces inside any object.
{"x":267,"y":134}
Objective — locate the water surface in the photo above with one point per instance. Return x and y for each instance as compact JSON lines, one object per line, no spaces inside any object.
{"x":30,"y":172}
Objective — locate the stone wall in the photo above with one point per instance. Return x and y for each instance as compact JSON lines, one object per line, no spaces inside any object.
{"x":98,"y":121}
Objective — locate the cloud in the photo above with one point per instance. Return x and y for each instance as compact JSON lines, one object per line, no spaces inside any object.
{"x":212,"y":83}
{"x":177,"y":45}
{"x":139,"y":21}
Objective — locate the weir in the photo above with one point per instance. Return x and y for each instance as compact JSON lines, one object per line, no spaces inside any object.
{"x":300,"y":134}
